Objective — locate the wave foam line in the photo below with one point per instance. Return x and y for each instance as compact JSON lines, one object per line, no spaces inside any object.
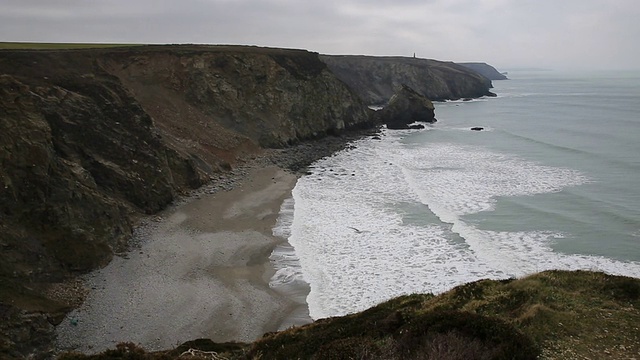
{"x":454,"y":181}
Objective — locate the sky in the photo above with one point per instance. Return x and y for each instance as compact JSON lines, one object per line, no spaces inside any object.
{"x":554,"y":34}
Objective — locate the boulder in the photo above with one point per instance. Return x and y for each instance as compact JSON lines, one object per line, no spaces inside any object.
{"x":477,"y":128}
{"x":406,"y":107}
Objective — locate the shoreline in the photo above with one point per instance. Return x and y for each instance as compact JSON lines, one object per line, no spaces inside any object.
{"x":201,"y":268}
{"x":202,"y":272}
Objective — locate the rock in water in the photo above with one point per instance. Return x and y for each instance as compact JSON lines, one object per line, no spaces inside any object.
{"x":406,"y":107}
{"x":477,"y":128}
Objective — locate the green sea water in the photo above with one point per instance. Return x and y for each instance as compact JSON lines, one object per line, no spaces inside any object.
{"x":552,"y":182}
{"x":589,"y":122}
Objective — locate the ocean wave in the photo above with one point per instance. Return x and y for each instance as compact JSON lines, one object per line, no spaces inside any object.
{"x":356,"y":246}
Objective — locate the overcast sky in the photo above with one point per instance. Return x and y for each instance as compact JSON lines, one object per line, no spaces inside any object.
{"x":557,"y":34}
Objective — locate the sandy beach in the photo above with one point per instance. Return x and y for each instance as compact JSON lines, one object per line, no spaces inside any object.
{"x":201,"y":271}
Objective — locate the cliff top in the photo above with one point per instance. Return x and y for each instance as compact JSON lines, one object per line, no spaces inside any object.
{"x":376,"y":79}
{"x":101,"y":48}
{"x":399,"y":60}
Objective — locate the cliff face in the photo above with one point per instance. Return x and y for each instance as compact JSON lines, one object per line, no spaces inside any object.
{"x":485,"y":70}
{"x":406,"y":107}
{"x":376,"y":79}
{"x":270,"y":96}
{"x":90,"y":138}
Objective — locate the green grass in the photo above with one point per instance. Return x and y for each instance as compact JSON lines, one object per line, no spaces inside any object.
{"x":58,"y":46}
{"x":550,"y":315}
{"x":179,"y":48}
{"x":557,"y":314}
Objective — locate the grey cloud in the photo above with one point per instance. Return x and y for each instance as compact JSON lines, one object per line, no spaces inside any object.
{"x":503,"y":32}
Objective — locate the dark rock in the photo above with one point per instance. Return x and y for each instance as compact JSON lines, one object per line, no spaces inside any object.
{"x":416,"y":126}
{"x":406,"y":107}
{"x":375,"y":79}
{"x":485,"y":70}
{"x":477,"y":128}
{"x":92,"y":139}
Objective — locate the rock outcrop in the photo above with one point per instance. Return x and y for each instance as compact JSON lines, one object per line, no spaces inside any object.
{"x":405,"y":108}
{"x":90,"y":139}
{"x":376,"y":78}
{"x":485,"y":70}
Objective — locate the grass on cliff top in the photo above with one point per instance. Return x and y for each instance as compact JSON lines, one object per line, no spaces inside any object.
{"x":303,"y":60}
{"x":54,"y":46}
{"x":151,"y":47}
{"x":550,"y":315}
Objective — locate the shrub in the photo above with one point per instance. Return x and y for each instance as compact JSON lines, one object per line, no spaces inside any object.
{"x":488,"y":336}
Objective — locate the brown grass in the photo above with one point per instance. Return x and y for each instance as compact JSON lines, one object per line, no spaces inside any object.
{"x":550,"y":315}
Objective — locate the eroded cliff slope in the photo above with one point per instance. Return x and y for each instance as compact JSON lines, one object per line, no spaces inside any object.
{"x":376,"y":79}
{"x":91,"y":138}
{"x":485,"y":70}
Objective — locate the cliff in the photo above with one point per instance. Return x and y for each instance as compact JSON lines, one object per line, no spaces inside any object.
{"x":485,"y":70}
{"x":376,"y":79}
{"x":91,"y":139}
{"x":406,"y":107}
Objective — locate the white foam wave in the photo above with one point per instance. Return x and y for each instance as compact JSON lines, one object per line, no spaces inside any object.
{"x":466,"y":128}
{"x":284,"y":259}
{"x":455,"y":181}
{"x":355,"y":256}
{"x":464,"y":180}
{"x":469,"y":100}
{"x":356,"y":248}
{"x":282,"y":228}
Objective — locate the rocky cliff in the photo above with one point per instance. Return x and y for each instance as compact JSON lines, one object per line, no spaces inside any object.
{"x":92,"y":138}
{"x":485,"y":70}
{"x":406,"y":107}
{"x":376,"y":79}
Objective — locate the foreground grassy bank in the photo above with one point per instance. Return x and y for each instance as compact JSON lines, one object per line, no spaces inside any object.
{"x":550,"y":315}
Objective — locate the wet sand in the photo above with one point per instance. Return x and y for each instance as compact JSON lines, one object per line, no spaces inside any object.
{"x":202,"y":271}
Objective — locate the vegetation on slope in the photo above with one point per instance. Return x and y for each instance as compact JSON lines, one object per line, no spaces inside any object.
{"x":550,"y":315}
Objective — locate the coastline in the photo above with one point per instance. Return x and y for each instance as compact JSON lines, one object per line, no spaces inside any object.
{"x":202,"y":272}
{"x":202,"y":268}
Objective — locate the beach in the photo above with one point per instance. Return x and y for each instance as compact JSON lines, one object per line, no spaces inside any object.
{"x":198,"y":270}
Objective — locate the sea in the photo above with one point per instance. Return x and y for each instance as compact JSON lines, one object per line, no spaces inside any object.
{"x":551,"y":182}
